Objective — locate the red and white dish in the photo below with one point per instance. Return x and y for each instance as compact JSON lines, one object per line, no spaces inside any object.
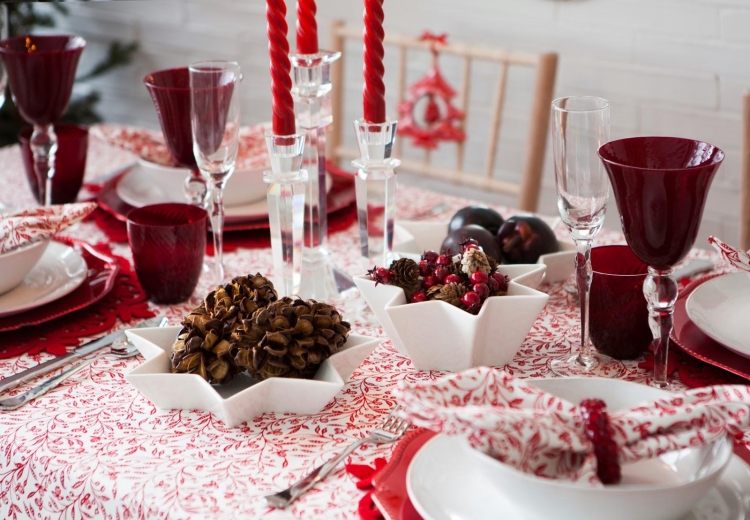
{"x":448,"y":479}
{"x":693,"y":341}
{"x":59,"y":272}
{"x":100,"y":272}
{"x":721,"y":308}
{"x":16,"y":264}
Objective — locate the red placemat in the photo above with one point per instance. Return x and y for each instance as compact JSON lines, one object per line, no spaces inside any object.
{"x":125,"y":301}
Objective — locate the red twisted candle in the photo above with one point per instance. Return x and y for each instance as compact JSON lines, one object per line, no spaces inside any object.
{"x":374,"y":89}
{"x":307,"y":27}
{"x":281,"y":67}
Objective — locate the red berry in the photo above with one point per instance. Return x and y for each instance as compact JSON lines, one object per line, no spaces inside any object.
{"x":424,"y":268}
{"x":479,"y":277}
{"x":419,"y":297}
{"x":383,"y":275}
{"x":470,"y":299}
{"x":501,"y":280}
{"x":469,"y":244}
{"x":493,"y":284}
{"x":441,"y":273}
{"x":430,"y":256}
{"x":482,"y":290}
{"x":444,"y":260}
{"x":452,"y":278}
{"x":429,"y":281}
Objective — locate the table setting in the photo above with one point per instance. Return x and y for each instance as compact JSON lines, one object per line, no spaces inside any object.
{"x":212,"y":320}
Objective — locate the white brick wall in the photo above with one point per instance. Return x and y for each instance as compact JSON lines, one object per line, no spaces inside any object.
{"x":674,"y":67}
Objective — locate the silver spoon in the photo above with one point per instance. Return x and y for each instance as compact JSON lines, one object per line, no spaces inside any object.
{"x":120,"y":349}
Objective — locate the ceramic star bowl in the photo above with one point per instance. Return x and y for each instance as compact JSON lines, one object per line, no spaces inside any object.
{"x":244,"y":398}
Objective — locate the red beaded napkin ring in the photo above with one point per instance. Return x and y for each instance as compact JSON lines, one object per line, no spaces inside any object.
{"x":596,"y":422}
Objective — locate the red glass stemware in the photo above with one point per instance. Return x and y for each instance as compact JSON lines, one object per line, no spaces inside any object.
{"x":170,"y":92}
{"x":660,"y":184}
{"x":41,"y":71}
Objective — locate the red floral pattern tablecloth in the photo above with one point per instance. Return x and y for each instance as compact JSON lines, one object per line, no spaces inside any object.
{"x":95,"y":448}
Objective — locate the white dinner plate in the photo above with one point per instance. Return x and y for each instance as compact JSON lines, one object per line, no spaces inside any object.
{"x":721,"y":309}
{"x":58,"y":273}
{"x":444,"y":484}
{"x":137,"y":188}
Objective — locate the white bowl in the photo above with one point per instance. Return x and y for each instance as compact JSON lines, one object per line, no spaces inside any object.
{"x":244,"y":398}
{"x":656,"y":489}
{"x":16,"y":264}
{"x":243,"y":187}
{"x":435,"y":335}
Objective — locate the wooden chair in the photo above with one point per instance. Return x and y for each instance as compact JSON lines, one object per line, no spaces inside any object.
{"x":546,"y":64}
{"x":745,"y":176}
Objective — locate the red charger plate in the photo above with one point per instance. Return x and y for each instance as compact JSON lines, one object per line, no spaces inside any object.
{"x":689,"y":338}
{"x":340,"y":196}
{"x":100,"y":279}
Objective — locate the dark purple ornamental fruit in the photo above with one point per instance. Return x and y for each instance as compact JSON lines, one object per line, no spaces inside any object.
{"x":481,"y":216}
{"x":486,"y":240}
{"x":524,"y":238}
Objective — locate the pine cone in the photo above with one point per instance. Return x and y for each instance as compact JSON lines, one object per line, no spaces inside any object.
{"x":205,"y":345}
{"x":434,"y":291}
{"x":475,"y":260}
{"x":405,"y":274}
{"x":493,"y":264}
{"x":290,"y":338}
{"x":456,"y":268}
{"x":452,"y":294}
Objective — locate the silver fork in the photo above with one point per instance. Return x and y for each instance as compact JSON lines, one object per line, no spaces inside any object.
{"x":121,"y":349}
{"x":390,"y":430}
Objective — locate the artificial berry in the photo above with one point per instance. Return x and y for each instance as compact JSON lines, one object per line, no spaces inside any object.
{"x":430,"y":256}
{"x":479,"y":277}
{"x":429,"y":281}
{"x":482,"y":290}
{"x":493,"y":284}
{"x":383,"y":275}
{"x":419,"y":297}
{"x":444,"y":260}
{"x":452,"y":278}
{"x":469,"y":244}
{"x":470,"y":299}
{"x":424,"y":268}
{"x":441,"y":273}
{"x":501,"y":280}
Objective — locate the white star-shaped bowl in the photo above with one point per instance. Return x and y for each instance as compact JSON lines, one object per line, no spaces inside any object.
{"x":436,"y":335}
{"x":244,"y":398}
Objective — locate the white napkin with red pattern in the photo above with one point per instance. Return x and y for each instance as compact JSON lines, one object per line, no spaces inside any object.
{"x":538,"y":433}
{"x":738,"y":258}
{"x":36,"y":224}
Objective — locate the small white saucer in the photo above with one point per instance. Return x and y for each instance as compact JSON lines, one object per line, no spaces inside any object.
{"x":59,"y":272}
{"x":721,"y":308}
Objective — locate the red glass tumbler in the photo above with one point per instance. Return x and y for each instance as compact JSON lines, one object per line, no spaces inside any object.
{"x":168,"y":242}
{"x":70,"y":163}
{"x":618,"y":318}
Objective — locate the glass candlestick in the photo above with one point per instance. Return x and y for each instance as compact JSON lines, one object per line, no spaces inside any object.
{"x":286,"y":203}
{"x":312,"y":88}
{"x":375,"y":186}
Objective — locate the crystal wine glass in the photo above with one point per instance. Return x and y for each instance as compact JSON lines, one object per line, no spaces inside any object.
{"x":581,"y":126}
{"x":41,"y":71}
{"x":3,"y":36}
{"x":170,"y":92}
{"x":660,"y":184}
{"x":215,"y":114}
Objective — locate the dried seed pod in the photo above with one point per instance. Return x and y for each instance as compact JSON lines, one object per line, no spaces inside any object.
{"x":405,"y":274}
{"x":289,"y":338}
{"x":451,"y":293}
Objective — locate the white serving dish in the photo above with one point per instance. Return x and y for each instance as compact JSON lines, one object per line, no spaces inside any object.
{"x":436,"y":335}
{"x":721,"y":309}
{"x":657,"y":489}
{"x":244,"y":398}
{"x":59,"y":272}
{"x":415,"y":237}
{"x":16,"y":264}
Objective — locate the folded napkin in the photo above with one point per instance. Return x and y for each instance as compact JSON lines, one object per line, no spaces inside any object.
{"x":252,"y":153}
{"x":36,"y":224}
{"x":736,"y":257}
{"x":538,"y":433}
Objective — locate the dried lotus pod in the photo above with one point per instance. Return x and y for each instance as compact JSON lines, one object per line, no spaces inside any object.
{"x":206,"y":344}
{"x":289,"y":338}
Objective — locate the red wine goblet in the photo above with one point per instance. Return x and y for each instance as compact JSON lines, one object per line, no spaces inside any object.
{"x":660,"y":184}
{"x":41,"y":71}
{"x":170,"y":91}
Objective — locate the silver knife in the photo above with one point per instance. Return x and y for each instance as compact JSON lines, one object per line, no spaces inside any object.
{"x":77,"y":353}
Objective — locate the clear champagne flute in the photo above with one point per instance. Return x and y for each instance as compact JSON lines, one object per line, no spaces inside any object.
{"x":581,"y":126}
{"x":215,"y":117}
